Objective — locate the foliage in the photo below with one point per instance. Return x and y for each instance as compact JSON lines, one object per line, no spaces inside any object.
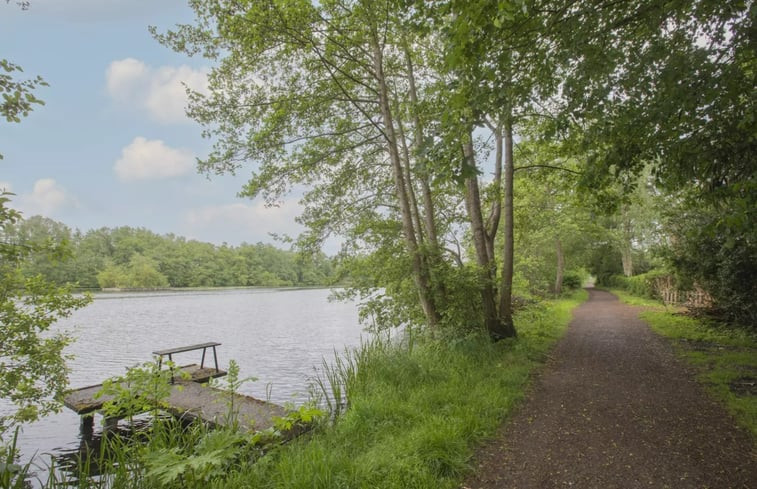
{"x":643,"y":285}
{"x":230,"y":385}
{"x":17,"y":97}
{"x":715,"y":247}
{"x":194,"y":466}
{"x":126,"y":257}
{"x":12,"y":475}
{"x":33,"y":372}
{"x":722,"y":355}
{"x":672,"y":92}
{"x":605,"y":263}
{"x":143,"y":388}
{"x":574,"y":279}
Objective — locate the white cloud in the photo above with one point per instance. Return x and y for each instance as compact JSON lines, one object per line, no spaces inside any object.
{"x":243,"y":222}
{"x":159,"y":91}
{"x":145,"y":159}
{"x":47,"y":198}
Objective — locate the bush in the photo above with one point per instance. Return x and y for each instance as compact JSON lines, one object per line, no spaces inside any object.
{"x":573,"y":280}
{"x":642,"y":285}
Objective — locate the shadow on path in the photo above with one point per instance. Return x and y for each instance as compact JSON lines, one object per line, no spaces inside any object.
{"x":616,"y":409}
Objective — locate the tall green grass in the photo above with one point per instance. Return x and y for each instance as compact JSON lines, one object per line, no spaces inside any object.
{"x":403,"y":418}
{"x":414,"y":416}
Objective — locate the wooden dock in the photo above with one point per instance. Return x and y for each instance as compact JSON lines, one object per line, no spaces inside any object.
{"x":190,"y":398}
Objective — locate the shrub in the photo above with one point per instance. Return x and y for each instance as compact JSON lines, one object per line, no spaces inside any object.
{"x":572,"y":280}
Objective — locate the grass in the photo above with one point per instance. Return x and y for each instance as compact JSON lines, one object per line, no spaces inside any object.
{"x":413,"y":420}
{"x":415,"y":416}
{"x":633,"y":300}
{"x":722,"y":355}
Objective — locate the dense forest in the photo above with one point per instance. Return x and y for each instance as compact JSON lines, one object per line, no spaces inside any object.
{"x":126,"y":257}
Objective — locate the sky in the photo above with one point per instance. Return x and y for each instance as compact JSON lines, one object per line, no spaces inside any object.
{"x":112,"y":145}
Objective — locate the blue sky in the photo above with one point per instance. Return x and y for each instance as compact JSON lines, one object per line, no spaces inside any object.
{"x":112,"y":146}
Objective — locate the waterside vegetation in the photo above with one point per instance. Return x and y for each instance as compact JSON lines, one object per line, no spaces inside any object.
{"x":415,"y":412}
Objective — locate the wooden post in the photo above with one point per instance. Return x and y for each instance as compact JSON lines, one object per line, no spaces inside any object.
{"x":86,"y":426}
{"x":110,"y":424}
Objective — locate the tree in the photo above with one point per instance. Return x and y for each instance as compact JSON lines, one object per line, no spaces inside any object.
{"x":673,"y":87}
{"x":33,"y":372}
{"x":18,"y":99}
{"x":363,"y":103}
{"x":314,"y":94}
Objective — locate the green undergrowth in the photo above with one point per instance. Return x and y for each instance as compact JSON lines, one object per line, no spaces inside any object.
{"x":634,"y":300}
{"x":415,"y":414}
{"x":725,"y":357}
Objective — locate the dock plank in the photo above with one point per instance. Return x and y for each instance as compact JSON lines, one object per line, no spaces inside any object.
{"x":83,"y":401}
{"x":211,"y":405}
{"x":190,"y":399}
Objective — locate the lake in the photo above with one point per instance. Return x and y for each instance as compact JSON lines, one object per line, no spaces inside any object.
{"x":278,"y":336}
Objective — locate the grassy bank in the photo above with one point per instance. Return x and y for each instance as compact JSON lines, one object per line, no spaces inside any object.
{"x":415,"y":415}
{"x":725,"y":357}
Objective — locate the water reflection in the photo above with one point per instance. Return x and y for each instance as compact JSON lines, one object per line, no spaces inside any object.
{"x":276,"y":335}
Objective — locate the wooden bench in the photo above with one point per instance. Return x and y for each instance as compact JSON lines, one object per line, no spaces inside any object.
{"x":181,"y":349}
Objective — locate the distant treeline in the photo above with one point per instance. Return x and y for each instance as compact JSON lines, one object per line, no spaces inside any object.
{"x":126,"y":257}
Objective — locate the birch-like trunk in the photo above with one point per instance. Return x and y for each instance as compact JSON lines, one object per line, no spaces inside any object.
{"x":487,"y":288}
{"x":626,"y":251}
{"x":506,"y":286}
{"x":560,"y":266}
{"x":419,"y":273}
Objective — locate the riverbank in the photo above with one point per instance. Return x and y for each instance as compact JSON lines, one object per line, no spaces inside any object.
{"x":416,"y":413}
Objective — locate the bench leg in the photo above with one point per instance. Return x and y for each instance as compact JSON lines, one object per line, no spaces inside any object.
{"x":110,"y":424}
{"x":87,"y":427}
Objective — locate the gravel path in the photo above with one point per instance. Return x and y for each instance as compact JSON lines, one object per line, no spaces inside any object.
{"x":616,"y":409}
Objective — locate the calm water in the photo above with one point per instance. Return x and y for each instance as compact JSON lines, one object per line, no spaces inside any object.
{"x":275,"y":335}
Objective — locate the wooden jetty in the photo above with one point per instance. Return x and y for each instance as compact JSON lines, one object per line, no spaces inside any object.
{"x":190,"y":397}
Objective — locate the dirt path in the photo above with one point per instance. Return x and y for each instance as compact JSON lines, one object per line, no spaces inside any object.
{"x":616,"y":409}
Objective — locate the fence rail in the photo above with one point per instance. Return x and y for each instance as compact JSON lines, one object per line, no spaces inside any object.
{"x":695,"y":298}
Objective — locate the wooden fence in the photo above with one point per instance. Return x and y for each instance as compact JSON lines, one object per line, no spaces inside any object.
{"x":672,"y":295}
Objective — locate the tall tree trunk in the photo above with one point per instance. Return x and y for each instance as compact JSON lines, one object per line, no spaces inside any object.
{"x":428,"y":204}
{"x":473,"y":204}
{"x":496,"y":211}
{"x":625,"y":245}
{"x":560,"y":266}
{"x":432,"y":250}
{"x":409,"y":184}
{"x":419,"y":272}
{"x":626,"y":259}
{"x":506,"y":287}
